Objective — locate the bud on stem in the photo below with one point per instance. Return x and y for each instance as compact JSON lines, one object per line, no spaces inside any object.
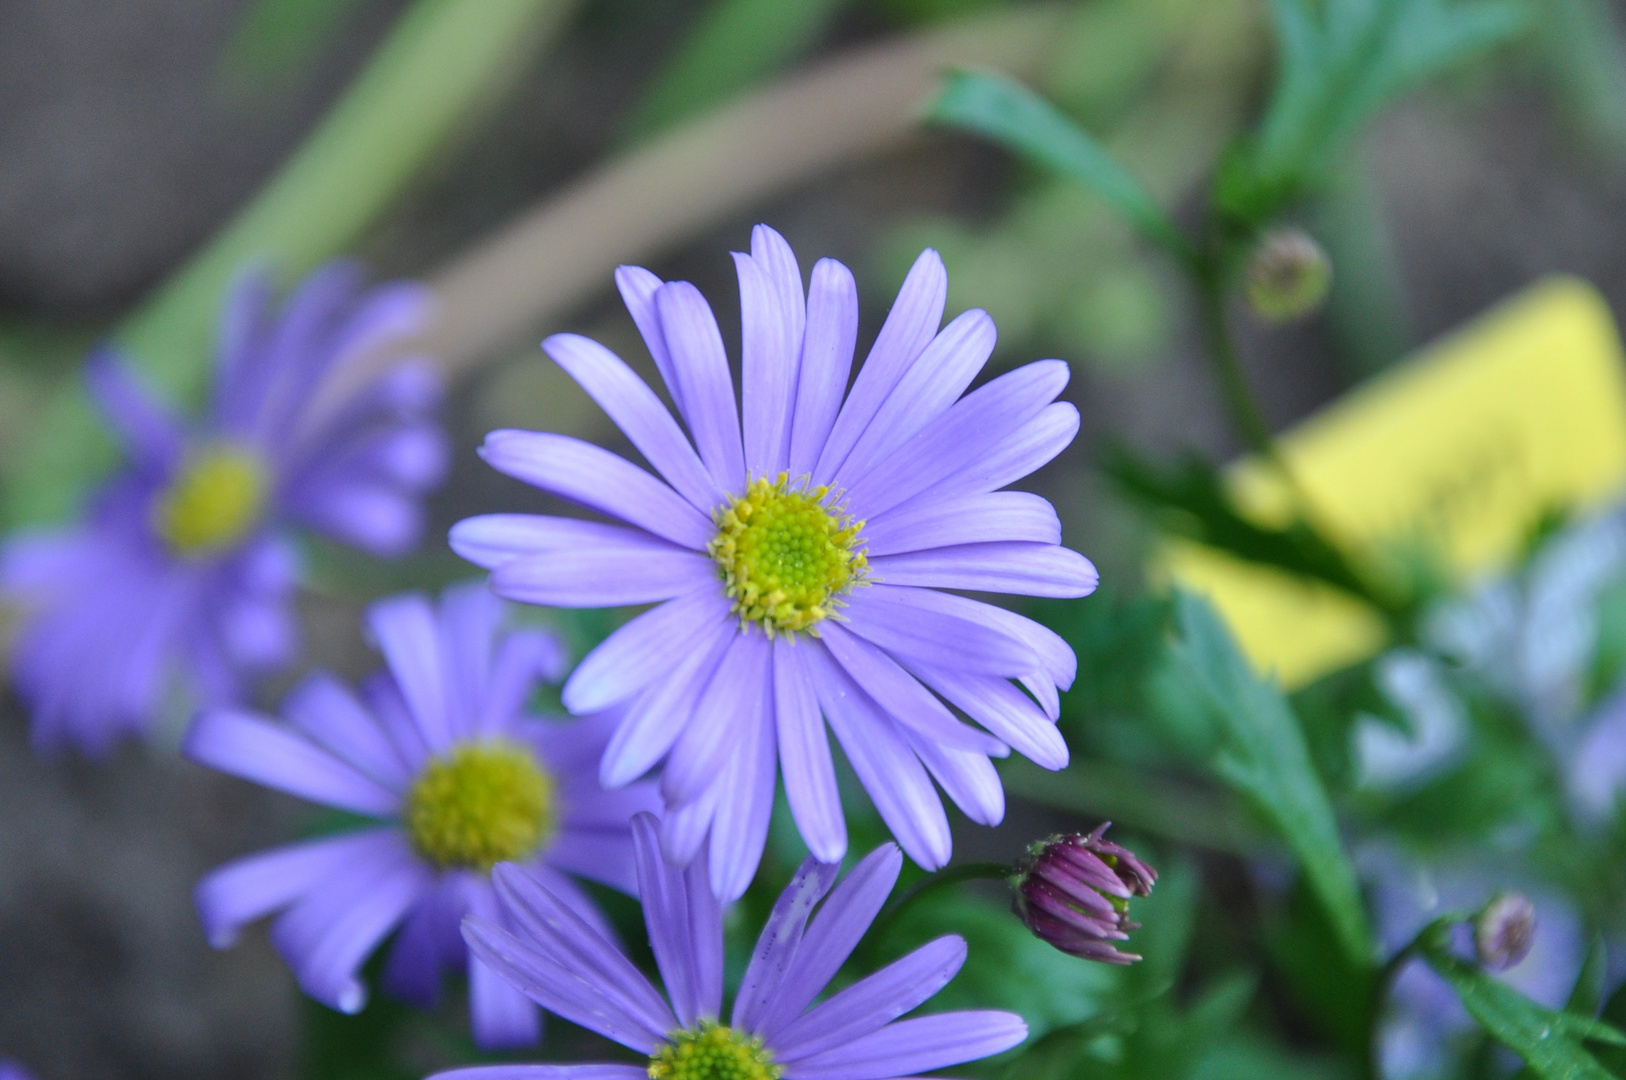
{"x":1073,"y":892}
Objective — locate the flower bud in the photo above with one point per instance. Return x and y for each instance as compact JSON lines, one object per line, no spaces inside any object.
{"x":1504,"y":930}
{"x":1073,"y":892}
{"x":1288,"y":276}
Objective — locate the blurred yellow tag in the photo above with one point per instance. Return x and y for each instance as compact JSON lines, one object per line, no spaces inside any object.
{"x":1460,"y":449}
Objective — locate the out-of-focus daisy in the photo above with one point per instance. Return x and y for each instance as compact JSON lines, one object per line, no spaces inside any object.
{"x":798,"y":567}
{"x":442,"y":750}
{"x":567,"y":966}
{"x":180,"y":575}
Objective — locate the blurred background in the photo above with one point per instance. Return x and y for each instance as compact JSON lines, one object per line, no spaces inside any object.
{"x":131,"y":133}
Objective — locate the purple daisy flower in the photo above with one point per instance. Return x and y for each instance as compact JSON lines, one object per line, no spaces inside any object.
{"x":440,"y":748}
{"x":798,"y":569}
{"x":181,"y":573}
{"x":564,"y":964}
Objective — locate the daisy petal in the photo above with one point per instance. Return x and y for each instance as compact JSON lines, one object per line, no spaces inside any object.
{"x":910,"y":1047}
{"x":909,"y":328}
{"x":910,"y":625}
{"x":739,"y":829}
{"x":969,"y":779}
{"x":685,"y":927}
{"x":899,"y":694}
{"x":780,"y":938}
{"x":889,"y":770}
{"x":804,"y":756}
{"x":964,"y":519}
{"x":329,"y":714}
{"x":253,"y":887}
{"x":641,"y":651}
{"x":599,"y":480}
{"x":827,"y":360}
{"x":727,"y":714}
{"x":768,"y":355}
{"x":638,"y":288}
{"x":574,"y":995}
{"x":405,"y":631}
{"x":1023,"y":569}
{"x":154,"y":436}
{"x":635,"y":569}
{"x":325,"y":937}
{"x":1019,"y":454}
{"x":500,"y":1017}
{"x":657,"y":718}
{"x":591,"y":1071}
{"x":834,"y":933}
{"x":701,"y":365}
{"x":628,"y":401}
{"x":933,"y":383}
{"x":490,"y":540}
{"x":874,"y":1002}
{"x":248,"y":746}
{"x":957,"y":439}
{"x":1004,"y":710}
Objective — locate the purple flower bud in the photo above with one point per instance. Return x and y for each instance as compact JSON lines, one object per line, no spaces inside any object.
{"x":1073,"y":891}
{"x":1504,"y":930}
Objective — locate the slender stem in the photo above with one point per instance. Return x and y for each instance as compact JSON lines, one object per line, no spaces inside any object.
{"x":1386,"y":975}
{"x":951,"y":875}
{"x":1222,"y":354}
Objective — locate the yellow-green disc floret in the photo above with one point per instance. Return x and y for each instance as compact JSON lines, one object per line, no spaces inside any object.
{"x":481,"y":804}
{"x":786,"y":554}
{"x":213,"y":503}
{"x":712,"y":1051}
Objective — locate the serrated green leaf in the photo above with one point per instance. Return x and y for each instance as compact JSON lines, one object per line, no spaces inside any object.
{"x":1548,"y":1041}
{"x":1010,"y":114}
{"x":1262,"y":754}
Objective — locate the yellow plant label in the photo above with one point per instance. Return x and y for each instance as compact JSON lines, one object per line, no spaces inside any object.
{"x":1456,"y":452}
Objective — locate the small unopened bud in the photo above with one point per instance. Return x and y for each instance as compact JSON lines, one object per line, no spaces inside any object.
{"x":1073,"y":892}
{"x":1504,"y":930}
{"x":1288,"y":276}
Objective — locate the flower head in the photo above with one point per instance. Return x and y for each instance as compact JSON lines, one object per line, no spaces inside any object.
{"x":798,"y":548}
{"x":180,"y":574}
{"x":1504,"y":930}
{"x":440,"y":749}
{"x":569,"y":967}
{"x":1073,"y":892}
{"x":1288,"y":276}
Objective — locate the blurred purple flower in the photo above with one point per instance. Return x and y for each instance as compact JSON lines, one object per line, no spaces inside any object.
{"x":180,"y":574}
{"x":797,"y":569}
{"x":567,"y":966}
{"x":441,"y":749}
{"x":1424,"y":1018}
{"x":10,"y":1070}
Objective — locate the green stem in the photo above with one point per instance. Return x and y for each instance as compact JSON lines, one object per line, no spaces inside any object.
{"x":1428,"y":937}
{"x":1222,"y":356}
{"x":951,"y":875}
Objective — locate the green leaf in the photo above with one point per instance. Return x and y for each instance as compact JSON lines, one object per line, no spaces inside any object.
{"x":1190,"y":500}
{"x":1010,"y":114}
{"x":441,"y":59}
{"x":1339,"y":62}
{"x":736,"y":43}
{"x":1548,"y":1041}
{"x":276,"y":39}
{"x":1261,"y":752}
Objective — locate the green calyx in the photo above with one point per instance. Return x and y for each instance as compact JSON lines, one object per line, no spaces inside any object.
{"x":712,"y":1051}
{"x":481,"y":804}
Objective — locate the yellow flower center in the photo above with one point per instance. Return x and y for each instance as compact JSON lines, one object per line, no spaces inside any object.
{"x":481,"y":804}
{"x":786,"y":554}
{"x":214,"y":502}
{"x":712,"y":1051}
